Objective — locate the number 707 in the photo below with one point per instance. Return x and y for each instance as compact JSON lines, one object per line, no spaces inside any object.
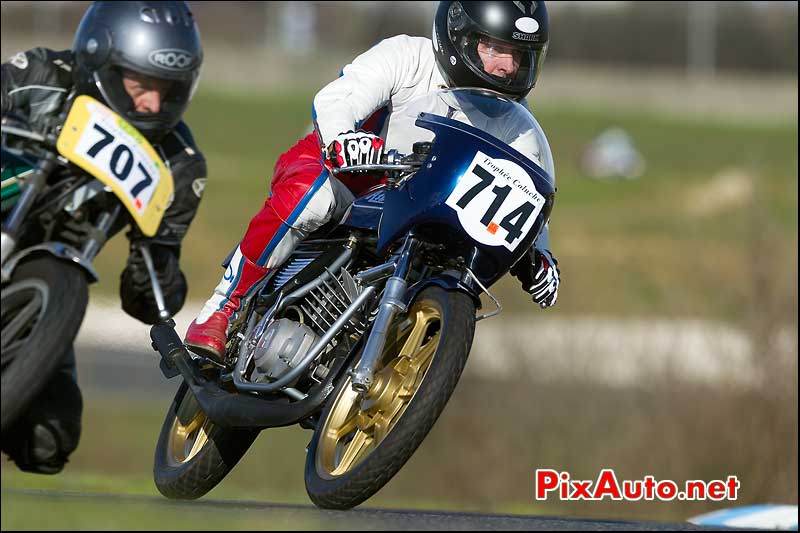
{"x":117,"y":157}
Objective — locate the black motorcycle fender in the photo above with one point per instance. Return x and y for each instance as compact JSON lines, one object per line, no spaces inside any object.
{"x":57,"y":249}
{"x":445,"y":281}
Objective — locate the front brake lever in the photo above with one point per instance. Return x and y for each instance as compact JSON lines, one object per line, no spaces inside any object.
{"x":144,"y":248}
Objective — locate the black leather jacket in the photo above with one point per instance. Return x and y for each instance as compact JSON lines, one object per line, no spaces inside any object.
{"x":36,"y":84}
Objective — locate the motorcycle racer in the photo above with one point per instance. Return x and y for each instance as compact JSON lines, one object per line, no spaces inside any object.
{"x":494,"y":45}
{"x":143,"y":60}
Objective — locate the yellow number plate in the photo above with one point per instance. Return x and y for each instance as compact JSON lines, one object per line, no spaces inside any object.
{"x":106,"y":146}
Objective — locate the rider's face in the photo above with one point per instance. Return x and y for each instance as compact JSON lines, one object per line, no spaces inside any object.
{"x":499,"y":59}
{"x":147,"y":93}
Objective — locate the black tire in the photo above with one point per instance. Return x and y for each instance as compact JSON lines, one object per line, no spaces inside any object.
{"x":376,"y":469}
{"x":42,"y":309}
{"x":194,"y":476}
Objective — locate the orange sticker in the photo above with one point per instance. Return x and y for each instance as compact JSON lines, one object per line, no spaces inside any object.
{"x":492,"y":228}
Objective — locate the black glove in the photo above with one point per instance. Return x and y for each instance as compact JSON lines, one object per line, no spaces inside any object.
{"x":540,"y":276}
{"x":136,"y":291}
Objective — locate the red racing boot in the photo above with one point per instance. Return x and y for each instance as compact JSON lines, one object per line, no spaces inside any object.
{"x":208,"y":333}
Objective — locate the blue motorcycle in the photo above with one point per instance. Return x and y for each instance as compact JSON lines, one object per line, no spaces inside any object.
{"x":363,"y":333}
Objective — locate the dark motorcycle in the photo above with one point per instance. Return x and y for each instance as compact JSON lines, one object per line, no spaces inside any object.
{"x":362,"y":334}
{"x":65,"y":190}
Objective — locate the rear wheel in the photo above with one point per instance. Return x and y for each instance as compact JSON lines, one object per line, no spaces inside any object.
{"x":193,"y":454}
{"x":42,"y":309}
{"x":362,"y":441}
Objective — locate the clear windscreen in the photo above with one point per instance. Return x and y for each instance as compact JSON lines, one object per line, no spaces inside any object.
{"x":493,"y":113}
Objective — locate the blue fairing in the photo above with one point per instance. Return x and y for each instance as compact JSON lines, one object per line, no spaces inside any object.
{"x":367,"y":210}
{"x":419,"y":204}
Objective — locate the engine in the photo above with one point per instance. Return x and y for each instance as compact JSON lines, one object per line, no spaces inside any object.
{"x":282,"y":346}
{"x":286,"y":341}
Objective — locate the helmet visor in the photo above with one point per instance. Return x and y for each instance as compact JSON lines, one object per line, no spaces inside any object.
{"x":148,"y":103}
{"x":505,"y":66}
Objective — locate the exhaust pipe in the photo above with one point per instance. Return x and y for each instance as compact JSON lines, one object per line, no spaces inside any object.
{"x":234,"y":410}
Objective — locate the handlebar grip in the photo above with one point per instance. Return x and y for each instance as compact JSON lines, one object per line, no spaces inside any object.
{"x":165,"y":339}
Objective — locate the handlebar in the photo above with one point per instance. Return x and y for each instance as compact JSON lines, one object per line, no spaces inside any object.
{"x":20,"y":132}
{"x":392,"y":161}
{"x":17,"y":126}
{"x":386,"y":167}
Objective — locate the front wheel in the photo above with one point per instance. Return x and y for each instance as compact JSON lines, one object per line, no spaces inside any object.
{"x":362,"y":441}
{"x":193,"y":455}
{"x":42,"y":309}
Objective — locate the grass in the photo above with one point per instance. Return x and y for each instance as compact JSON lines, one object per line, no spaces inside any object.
{"x":24,"y":512}
{"x":635,"y":247}
{"x":479,"y":457}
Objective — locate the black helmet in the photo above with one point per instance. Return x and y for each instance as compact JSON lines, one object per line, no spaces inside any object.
{"x":520,"y":27}
{"x":155,"y":39}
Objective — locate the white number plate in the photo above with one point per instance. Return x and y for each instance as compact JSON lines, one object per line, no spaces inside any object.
{"x":496,"y":201}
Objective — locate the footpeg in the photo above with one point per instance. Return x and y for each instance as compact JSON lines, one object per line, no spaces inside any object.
{"x":204,"y":362}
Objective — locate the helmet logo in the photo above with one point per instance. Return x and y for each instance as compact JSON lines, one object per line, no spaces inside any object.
{"x":91,"y":45}
{"x":527,"y":24}
{"x":453,"y":60}
{"x":171,"y":59}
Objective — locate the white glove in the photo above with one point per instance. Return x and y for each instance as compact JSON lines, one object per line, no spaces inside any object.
{"x":546,"y":278}
{"x":355,"y":148}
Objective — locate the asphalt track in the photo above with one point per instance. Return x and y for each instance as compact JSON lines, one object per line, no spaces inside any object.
{"x":362,"y":519}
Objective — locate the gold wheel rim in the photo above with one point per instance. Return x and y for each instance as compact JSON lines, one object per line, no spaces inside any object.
{"x":357,"y":424}
{"x":186,"y":440}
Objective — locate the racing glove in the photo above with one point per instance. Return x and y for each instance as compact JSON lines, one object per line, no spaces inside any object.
{"x":540,"y":276}
{"x":136,"y":291}
{"x":355,"y":148}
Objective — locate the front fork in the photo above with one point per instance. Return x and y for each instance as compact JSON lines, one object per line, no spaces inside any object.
{"x":30,"y":190}
{"x":390,"y":305}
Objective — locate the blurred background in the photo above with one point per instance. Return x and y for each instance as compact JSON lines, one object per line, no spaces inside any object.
{"x":672,"y":351}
